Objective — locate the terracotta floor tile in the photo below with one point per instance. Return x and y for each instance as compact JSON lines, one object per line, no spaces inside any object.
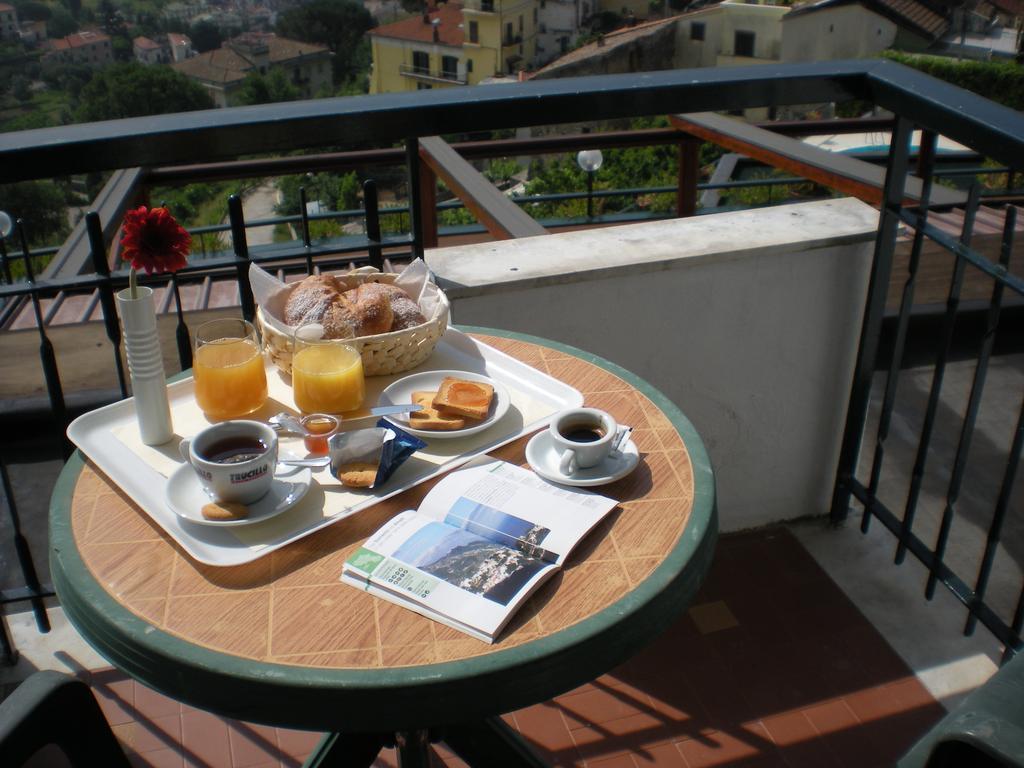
{"x":297,"y":744}
{"x":445,"y":757}
{"x":204,"y":738}
{"x":600,"y":705}
{"x":116,"y":698}
{"x":717,"y":749}
{"x":713,"y":617}
{"x":149,"y":703}
{"x":252,"y":744}
{"x":798,"y":742}
{"x":618,"y":761}
{"x":159,"y":758}
{"x":150,"y":734}
{"x":596,"y":742}
{"x":831,"y":717}
{"x":659,"y":756}
{"x":545,"y":729}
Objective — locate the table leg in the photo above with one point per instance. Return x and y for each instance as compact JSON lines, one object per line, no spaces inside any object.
{"x":338,"y":750}
{"x":491,"y":743}
{"x":413,"y":749}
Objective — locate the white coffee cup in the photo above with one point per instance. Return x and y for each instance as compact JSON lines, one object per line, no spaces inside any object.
{"x":234,"y":460}
{"x":583,"y":437}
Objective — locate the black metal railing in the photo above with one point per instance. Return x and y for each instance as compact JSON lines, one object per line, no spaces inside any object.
{"x":917,"y":100}
{"x":1006,"y":629}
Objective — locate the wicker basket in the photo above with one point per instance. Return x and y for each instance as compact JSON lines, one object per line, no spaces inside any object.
{"x":383,"y":354}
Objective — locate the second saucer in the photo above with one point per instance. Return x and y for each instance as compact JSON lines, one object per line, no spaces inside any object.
{"x":543,"y":459}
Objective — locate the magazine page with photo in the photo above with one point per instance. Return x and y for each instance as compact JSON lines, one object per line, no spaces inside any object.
{"x":480,"y":544}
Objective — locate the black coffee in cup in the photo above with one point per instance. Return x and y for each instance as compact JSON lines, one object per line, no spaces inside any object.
{"x":234,"y":450}
{"x":582,"y":432}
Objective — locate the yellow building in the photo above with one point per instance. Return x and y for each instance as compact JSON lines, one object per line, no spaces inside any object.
{"x":453,"y":44}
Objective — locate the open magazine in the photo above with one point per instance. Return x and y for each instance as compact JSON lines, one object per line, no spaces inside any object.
{"x":481,"y":542}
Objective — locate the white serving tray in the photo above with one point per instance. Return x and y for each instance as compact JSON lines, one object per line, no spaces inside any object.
{"x":142,"y":472}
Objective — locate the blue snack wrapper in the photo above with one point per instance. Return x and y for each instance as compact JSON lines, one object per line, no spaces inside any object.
{"x":396,"y":451}
{"x":385,"y":445}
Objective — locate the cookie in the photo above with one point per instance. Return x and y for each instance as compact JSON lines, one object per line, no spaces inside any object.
{"x":225,"y":510}
{"x":357,"y":474}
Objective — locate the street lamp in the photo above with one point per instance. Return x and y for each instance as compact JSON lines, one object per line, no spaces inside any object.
{"x":6,"y":230}
{"x":590,"y":160}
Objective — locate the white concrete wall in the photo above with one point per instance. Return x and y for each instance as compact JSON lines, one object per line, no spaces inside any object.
{"x":748,"y":321}
{"x":842,"y":32}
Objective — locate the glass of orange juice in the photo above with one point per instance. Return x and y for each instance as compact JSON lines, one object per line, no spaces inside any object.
{"x":327,"y":375}
{"x":230,"y":379}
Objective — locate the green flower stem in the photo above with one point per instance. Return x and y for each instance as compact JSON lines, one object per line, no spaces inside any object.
{"x":133,"y":284}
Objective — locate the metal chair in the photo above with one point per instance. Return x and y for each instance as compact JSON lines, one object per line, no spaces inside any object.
{"x":52,"y":708}
{"x":985,"y":731}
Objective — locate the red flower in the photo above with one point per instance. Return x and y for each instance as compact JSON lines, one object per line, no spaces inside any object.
{"x":153,"y":240}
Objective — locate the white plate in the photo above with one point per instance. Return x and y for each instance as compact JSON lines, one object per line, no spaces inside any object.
{"x":186,"y":497}
{"x":543,"y":458}
{"x":400,"y":392}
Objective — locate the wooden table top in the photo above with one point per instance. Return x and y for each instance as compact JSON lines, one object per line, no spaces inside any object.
{"x":236,"y":640}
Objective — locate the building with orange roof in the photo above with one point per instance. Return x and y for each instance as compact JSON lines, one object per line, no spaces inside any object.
{"x":89,"y":47}
{"x":180,"y":45}
{"x":148,"y":51}
{"x":221,"y":71}
{"x":454,"y":44}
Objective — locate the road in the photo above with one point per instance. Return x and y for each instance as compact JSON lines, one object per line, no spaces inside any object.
{"x":259,"y":204}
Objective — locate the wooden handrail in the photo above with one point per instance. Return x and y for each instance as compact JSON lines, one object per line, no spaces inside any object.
{"x":504,"y":219}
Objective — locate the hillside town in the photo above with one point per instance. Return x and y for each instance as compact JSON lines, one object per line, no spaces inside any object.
{"x":457,"y":44}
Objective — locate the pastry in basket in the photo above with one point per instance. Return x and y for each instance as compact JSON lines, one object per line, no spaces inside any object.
{"x":368,"y":310}
{"x":431,"y":419}
{"x":310,"y":300}
{"x":460,"y":397}
{"x":405,"y":312}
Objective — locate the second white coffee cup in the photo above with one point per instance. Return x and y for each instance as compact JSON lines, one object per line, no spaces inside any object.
{"x":583,"y":438}
{"x":234,"y":460}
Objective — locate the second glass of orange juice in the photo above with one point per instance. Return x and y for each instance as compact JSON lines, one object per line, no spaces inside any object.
{"x":230,"y":379}
{"x":327,"y":376}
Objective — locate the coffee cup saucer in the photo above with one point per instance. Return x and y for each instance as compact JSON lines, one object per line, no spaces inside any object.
{"x":543,"y":458}
{"x":185,"y":496}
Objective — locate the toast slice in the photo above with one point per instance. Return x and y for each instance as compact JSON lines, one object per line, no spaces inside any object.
{"x":431,"y":419}
{"x":460,"y":397}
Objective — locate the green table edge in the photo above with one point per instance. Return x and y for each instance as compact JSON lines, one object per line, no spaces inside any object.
{"x":397,"y":698}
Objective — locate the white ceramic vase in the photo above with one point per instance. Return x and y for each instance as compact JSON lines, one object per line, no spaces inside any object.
{"x":145,"y":364}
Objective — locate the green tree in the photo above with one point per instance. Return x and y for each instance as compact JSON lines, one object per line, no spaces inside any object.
{"x":133,"y":90}
{"x":112,"y":22}
{"x":348,"y":192}
{"x":205,"y":36}
{"x":338,"y":24}
{"x":61,"y":22}
{"x":1000,"y":81}
{"x":20,"y":89}
{"x":266,"y":89}
{"x":41,"y":204}
{"x":67,"y":77}
{"x":32,"y":10}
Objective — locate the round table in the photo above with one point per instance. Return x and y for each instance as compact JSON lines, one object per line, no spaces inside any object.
{"x":281,"y":641}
